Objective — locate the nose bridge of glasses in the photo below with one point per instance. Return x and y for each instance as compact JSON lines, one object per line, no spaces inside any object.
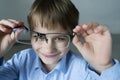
{"x":50,"y":42}
{"x":49,"y":39}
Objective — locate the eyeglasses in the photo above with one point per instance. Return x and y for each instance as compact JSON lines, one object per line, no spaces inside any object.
{"x":59,"y":40}
{"x":24,"y":36}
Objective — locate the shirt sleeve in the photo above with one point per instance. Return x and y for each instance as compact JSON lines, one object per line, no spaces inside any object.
{"x":1,"y":61}
{"x":112,"y":73}
{"x":9,"y":70}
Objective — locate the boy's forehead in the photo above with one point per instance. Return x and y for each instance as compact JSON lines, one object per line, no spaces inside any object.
{"x":49,"y":25}
{"x":44,"y":29}
{"x":38,"y":23}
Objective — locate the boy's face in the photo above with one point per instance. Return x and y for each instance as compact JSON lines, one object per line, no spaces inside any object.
{"x":51,"y":47}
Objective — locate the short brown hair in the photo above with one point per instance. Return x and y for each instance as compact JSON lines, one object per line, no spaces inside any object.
{"x":49,"y":13}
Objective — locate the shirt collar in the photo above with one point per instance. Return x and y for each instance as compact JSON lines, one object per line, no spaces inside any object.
{"x":37,"y":63}
{"x":62,"y":66}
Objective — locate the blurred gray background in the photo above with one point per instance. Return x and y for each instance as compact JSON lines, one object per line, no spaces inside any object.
{"x":106,"y":12}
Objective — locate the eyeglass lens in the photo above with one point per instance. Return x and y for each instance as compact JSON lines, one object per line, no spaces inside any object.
{"x":24,"y":36}
{"x":59,"y":40}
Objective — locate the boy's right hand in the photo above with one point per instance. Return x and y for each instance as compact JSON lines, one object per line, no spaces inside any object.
{"x":7,"y":36}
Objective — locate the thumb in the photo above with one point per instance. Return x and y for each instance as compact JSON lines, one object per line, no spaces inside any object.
{"x":16,"y":33}
{"x":77,"y":42}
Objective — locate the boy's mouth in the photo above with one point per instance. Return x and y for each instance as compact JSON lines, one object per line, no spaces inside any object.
{"x":50,"y":55}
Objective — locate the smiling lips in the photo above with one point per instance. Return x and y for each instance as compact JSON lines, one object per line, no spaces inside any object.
{"x":50,"y":56}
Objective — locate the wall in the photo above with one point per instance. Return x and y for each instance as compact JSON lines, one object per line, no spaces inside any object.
{"x":106,"y":12}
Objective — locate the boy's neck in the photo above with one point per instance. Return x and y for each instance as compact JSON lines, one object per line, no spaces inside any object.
{"x":49,"y":67}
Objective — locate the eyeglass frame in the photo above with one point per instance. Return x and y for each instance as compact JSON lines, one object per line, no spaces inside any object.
{"x":44,"y":34}
{"x":31,"y":31}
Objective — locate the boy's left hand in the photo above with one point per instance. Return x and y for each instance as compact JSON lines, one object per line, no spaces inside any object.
{"x":96,"y":48}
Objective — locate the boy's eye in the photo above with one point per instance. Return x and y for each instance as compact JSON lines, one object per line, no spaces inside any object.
{"x":62,"y":38}
{"x":40,"y":37}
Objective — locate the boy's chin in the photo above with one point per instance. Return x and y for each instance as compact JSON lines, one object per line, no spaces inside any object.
{"x":50,"y":61}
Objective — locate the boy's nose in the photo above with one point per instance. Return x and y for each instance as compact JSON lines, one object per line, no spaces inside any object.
{"x":50,"y":47}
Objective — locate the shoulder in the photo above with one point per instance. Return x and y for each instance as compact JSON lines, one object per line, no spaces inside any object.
{"x":77,"y":61}
{"x":77,"y":64}
{"x":75,"y":58}
{"x":26,"y":52}
{"x":24,"y":55}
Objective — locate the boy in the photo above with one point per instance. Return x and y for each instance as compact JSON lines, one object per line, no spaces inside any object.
{"x":52,"y":26}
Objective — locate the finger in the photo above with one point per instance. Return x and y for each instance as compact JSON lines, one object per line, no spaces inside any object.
{"x":79,"y":29}
{"x":7,"y":23}
{"x":14,"y":21}
{"x":100,"y":29}
{"x":89,"y":28}
{"x":18,"y":23}
{"x":76,"y":41}
{"x":5,"y":29}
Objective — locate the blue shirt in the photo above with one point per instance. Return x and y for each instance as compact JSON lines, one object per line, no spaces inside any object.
{"x":26,"y":65}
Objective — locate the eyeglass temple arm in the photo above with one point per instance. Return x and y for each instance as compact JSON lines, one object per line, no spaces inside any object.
{"x":74,"y":33}
{"x":18,"y":27}
{"x":39,"y":34}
